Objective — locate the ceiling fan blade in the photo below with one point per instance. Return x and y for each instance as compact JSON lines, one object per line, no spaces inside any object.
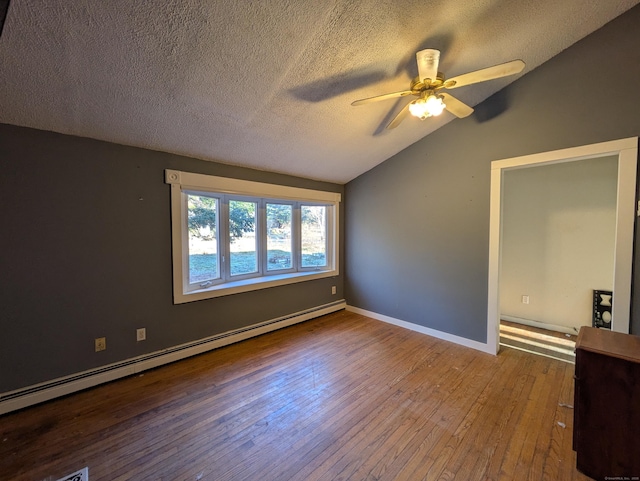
{"x":482,"y":75}
{"x":399,"y":118}
{"x":377,"y":98}
{"x":428,"y":61}
{"x":455,"y":106}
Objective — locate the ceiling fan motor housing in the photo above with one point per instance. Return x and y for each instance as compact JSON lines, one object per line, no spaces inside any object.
{"x":428,"y":60}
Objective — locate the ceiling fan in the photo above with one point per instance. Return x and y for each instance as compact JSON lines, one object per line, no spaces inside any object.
{"x":429,"y":83}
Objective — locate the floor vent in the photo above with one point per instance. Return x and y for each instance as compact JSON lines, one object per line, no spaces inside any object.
{"x":82,"y":475}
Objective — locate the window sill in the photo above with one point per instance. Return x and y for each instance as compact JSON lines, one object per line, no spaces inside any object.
{"x":248,"y":285}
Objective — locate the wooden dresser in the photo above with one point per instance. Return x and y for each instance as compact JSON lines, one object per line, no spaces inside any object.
{"x":606,"y":428}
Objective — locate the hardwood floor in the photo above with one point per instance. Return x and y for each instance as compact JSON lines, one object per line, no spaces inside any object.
{"x":341,"y":397}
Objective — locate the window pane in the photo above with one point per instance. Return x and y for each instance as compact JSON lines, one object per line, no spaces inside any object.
{"x":314,"y":235}
{"x":202,"y":213}
{"x":279,"y":237}
{"x":242,"y":236}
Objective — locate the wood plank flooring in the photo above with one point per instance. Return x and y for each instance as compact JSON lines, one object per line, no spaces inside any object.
{"x":341,"y":397}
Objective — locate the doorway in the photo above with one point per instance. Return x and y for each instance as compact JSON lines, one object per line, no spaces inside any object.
{"x":626,"y":151}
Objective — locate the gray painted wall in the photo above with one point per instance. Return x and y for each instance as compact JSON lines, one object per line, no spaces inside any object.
{"x":85,"y":252}
{"x":417,"y":227}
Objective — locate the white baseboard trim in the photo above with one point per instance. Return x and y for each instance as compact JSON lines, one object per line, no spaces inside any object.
{"x":541,"y":325}
{"x":28,"y":396}
{"x":463,"y":341}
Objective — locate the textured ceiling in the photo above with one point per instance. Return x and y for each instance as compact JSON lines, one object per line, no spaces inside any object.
{"x":265,"y":84}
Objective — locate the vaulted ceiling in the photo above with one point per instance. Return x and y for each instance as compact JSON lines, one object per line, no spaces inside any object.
{"x":265,"y":84}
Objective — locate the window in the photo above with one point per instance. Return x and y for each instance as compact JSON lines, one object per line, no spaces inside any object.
{"x":233,"y":236}
{"x":203,"y":242}
{"x":314,"y":236}
{"x":279,"y":236}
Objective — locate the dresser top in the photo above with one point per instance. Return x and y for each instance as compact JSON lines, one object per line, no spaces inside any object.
{"x":609,"y":343}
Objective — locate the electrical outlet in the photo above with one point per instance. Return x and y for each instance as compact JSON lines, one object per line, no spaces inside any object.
{"x":141,"y":334}
{"x":525,"y":299}
{"x":333,"y":289}
{"x":101,"y":343}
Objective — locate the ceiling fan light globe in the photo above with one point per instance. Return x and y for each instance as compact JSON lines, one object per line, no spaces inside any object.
{"x":434,"y":105}
{"x":418,"y":108}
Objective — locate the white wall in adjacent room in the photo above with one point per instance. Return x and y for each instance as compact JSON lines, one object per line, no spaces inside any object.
{"x":558,"y":240}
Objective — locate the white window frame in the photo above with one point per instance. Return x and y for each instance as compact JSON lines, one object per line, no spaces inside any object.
{"x":184,"y":183}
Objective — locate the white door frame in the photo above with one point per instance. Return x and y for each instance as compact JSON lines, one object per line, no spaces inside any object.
{"x":627,"y":152}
